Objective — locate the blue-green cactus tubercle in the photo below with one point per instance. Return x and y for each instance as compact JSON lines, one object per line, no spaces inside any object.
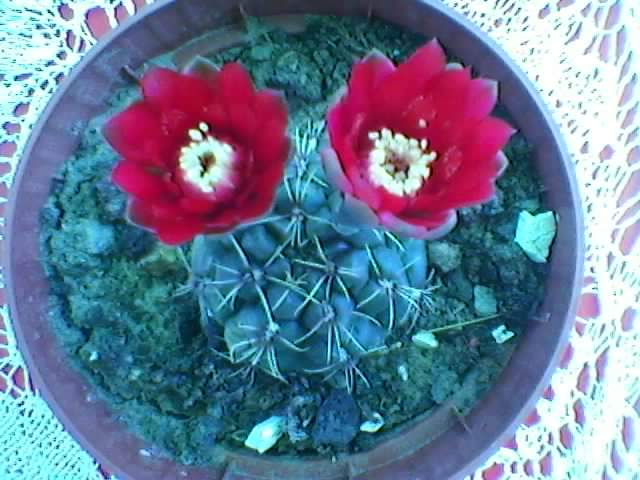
{"x":297,"y":292}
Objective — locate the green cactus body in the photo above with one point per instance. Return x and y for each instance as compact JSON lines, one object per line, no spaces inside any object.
{"x":296,"y":292}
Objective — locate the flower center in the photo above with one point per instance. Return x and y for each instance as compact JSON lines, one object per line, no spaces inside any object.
{"x":397,"y":163}
{"x":206,"y":161}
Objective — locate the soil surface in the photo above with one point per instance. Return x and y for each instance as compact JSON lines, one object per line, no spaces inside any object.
{"x":116,"y":312}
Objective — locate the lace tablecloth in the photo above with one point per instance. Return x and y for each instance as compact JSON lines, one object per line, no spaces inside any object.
{"x":580,"y":54}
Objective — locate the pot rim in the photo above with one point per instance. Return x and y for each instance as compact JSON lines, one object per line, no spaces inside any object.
{"x":399,"y":464}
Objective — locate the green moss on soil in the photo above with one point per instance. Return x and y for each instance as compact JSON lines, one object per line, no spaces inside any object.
{"x":114,"y":306}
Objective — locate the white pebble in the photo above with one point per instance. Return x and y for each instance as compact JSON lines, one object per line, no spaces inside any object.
{"x":425,"y":339}
{"x":374,"y":425}
{"x":265,"y":434}
{"x":501,"y":334}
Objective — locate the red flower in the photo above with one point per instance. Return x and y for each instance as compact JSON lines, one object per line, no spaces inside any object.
{"x":410,"y":145}
{"x":203,"y":151}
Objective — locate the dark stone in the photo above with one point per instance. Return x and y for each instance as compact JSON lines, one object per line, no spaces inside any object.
{"x":460,"y":286}
{"x":135,"y":242}
{"x":338,"y":420}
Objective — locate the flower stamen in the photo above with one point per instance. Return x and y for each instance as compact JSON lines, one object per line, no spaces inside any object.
{"x":206,"y":161}
{"x":399,"y":164}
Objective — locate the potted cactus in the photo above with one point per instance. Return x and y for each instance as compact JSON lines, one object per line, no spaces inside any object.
{"x":324,"y":241}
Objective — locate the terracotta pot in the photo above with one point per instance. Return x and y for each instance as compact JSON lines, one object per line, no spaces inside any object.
{"x":421,"y":451}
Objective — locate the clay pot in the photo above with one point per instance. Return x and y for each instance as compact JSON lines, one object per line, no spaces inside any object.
{"x":421,"y":450}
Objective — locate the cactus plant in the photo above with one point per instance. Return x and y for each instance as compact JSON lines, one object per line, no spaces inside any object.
{"x":297,"y":291}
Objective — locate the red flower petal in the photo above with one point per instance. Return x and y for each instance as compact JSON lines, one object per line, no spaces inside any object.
{"x":481,"y":98}
{"x":485,"y":142}
{"x":365,"y":77}
{"x":216,"y":116}
{"x":333,"y":170}
{"x":136,"y":134}
{"x":445,"y":167}
{"x":427,"y":219}
{"x":198,"y":205}
{"x":242,"y":123}
{"x":224,"y":219}
{"x":356,"y":212}
{"x":271,"y":151}
{"x":235,"y":85}
{"x":459,"y":168}
{"x":488,"y":137}
{"x":473,"y":176}
{"x":422,"y":109}
{"x":338,"y":127}
{"x":448,"y":92}
{"x":468,"y":189}
{"x":166,"y":211}
{"x":424,"y":99}
{"x":256,"y":205}
{"x":175,"y":124}
{"x":391,"y":203}
{"x":364,"y":190}
{"x":479,"y":193}
{"x":444,"y":224}
{"x":202,"y":68}
{"x":140,"y":213}
{"x":254,"y":123}
{"x":247,"y":119}
{"x":166,"y":89}
{"x":394,"y":95}
{"x":179,"y":232}
{"x":136,"y":180}
{"x":270,"y":106}
{"x":354,"y":167}
{"x":271,"y":145}
{"x":236,"y":91}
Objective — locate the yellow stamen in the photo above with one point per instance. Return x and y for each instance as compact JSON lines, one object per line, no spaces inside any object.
{"x":399,"y":164}
{"x":196,"y":135}
{"x":206,"y":161}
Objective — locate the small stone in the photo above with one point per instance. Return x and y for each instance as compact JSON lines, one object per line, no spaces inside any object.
{"x":535,"y":234}
{"x":261,"y":52}
{"x":403,"y":372}
{"x":338,"y":420}
{"x":501,"y":334}
{"x":98,"y":238}
{"x":459,"y":285}
{"x":373,"y":425}
{"x":425,"y":339}
{"x":135,"y":242}
{"x":266,"y":434}
{"x":445,"y":255}
{"x":484,"y":301}
{"x":162,"y":261}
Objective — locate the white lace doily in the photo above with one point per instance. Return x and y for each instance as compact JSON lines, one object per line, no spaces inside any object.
{"x":580,"y":54}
